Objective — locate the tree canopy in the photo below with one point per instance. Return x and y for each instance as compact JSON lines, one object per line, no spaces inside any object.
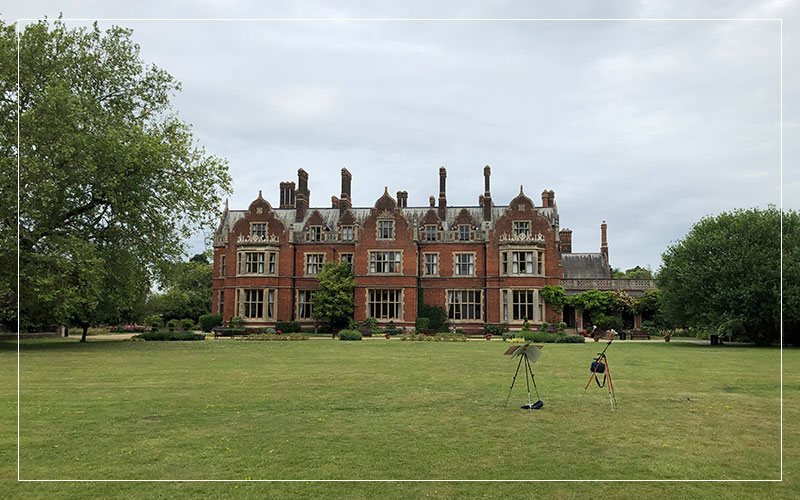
{"x":334,"y":302}
{"x":727,"y":270}
{"x":637,"y":272}
{"x":111,"y":181}
{"x":187,"y":292}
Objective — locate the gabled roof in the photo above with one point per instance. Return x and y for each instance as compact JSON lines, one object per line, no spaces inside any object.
{"x":584,"y":265}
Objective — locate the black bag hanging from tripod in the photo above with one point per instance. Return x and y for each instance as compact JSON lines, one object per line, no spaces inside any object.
{"x":598,"y":367}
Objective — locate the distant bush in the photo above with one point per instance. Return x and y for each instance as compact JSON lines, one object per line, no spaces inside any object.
{"x":287,"y":326}
{"x":154,"y":320}
{"x":171,"y":336}
{"x":570,"y":339}
{"x":209,"y":321}
{"x":419,"y":337}
{"x":496,"y":328}
{"x":604,"y":322}
{"x":422,"y":323}
{"x":391,"y":329}
{"x":542,"y":337}
{"x":187,"y":324}
{"x":236,"y":322}
{"x":349,"y":335}
{"x":276,"y":337}
{"x":437,"y":317}
{"x":449,"y":337}
{"x":172,"y":325}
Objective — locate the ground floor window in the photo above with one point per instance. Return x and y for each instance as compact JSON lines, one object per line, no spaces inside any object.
{"x":256,"y":304}
{"x":220,"y":302}
{"x":304,"y":303}
{"x":521,"y":305}
{"x":384,"y":304}
{"x":464,"y":304}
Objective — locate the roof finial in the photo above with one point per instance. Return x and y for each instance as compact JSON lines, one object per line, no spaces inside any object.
{"x":259,"y":193}
{"x":386,"y":190}
{"x":520,"y":189}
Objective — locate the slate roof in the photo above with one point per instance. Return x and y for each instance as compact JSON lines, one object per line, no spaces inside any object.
{"x":584,"y":265}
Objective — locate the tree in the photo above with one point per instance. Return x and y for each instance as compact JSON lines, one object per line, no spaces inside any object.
{"x":111,"y":181}
{"x":637,"y":272}
{"x":727,"y":270}
{"x":333,"y":302}
{"x":188,"y":290}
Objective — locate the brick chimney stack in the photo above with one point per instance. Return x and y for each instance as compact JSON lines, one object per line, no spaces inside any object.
{"x":548,"y":198}
{"x":442,"y":193}
{"x":287,"y":195}
{"x":302,"y":195}
{"x":346,"y":201}
{"x":565,"y":236}
{"x":335,"y":201}
{"x":487,"y":195}
{"x":402,"y":199}
{"x":604,"y":244}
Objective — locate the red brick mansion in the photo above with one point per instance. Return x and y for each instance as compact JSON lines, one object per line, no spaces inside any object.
{"x":482,"y":264}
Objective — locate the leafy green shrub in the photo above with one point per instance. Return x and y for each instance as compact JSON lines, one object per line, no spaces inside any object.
{"x":287,"y":326}
{"x":604,"y":322}
{"x":495,"y":328}
{"x":154,"y":320}
{"x":236,"y":322}
{"x":561,"y":327}
{"x":172,"y":324}
{"x":154,"y":326}
{"x":171,"y":335}
{"x":349,"y":335}
{"x":187,"y":324}
{"x":418,"y":337}
{"x":209,"y":321}
{"x":437,"y":317}
{"x":542,"y":337}
{"x":391,"y":329}
{"x":545,"y":325}
{"x":449,"y":337}
{"x":422,"y":323}
{"x":570,"y":339}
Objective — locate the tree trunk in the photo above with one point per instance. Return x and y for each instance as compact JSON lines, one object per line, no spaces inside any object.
{"x":85,"y":330}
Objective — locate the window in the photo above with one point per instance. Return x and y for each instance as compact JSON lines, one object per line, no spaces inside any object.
{"x":221,"y":302}
{"x":304,"y":303}
{"x":259,"y":229}
{"x":272,"y":262}
{"x":252,"y":304}
{"x":522,"y":228}
{"x":522,"y":263}
{"x":430,"y":233}
{"x":347,"y":233}
{"x":463,"y":304}
{"x":315,"y":233}
{"x":384,"y":304}
{"x":254,"y":262}
{"x":463,"y":232}
{"x":385,"y":229}
{"x":314,"y":263}
{"x":431,"y":264}
{"x":540,"y":263}
{"x":519,"y":305}
{"x":222,"y":265}
{"x":385,"y":262}
{"x":348,"y":259}
{"x":464,"y":264}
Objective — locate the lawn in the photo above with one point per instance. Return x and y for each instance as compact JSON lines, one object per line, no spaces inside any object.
{"x":378,"y":409}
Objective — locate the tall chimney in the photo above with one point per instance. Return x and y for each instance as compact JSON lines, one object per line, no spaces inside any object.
{"x":302,"y":195}
{"x":442,"y":193}
{"x":551,"y":197}
{"x":565,"y":236}
{"x":335,"y":201}
{"x":345,"y":201}
{"x":487,"y":195}
{"x":604,"y":243}
{"x":402,"y":199}
{"x":545,"y":198}
{"x":287,"y":195}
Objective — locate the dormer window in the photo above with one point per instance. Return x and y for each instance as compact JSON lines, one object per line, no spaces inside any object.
{"x":315,"y":233}
{"x":463,"y":232}
{"x":385,"y":229}
{"x":258,"y":229}
{"x":522,"y":228}
{"x":347,"y":233}
{"x":430,"y":233}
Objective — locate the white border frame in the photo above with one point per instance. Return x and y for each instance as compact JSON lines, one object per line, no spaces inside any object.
{"x":113,"y":19}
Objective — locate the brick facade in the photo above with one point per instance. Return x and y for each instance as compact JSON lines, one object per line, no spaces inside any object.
{"x":490,"y":261}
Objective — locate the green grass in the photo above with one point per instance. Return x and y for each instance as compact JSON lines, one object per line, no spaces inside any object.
{"x":379,"y":409}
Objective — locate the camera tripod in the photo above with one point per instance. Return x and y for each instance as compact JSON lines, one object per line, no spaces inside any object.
{"x":528,"y":372}
{"x":600,"y":365}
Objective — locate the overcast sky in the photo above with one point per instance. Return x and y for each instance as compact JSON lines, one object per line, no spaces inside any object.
{"x":649,"y":125}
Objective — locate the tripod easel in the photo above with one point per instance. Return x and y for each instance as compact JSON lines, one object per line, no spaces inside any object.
{"x":602,"y":361}
{"x":528,"y":371}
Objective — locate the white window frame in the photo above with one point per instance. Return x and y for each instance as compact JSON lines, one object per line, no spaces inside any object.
{"x":247,"y":298}
{"x":349,"y":260}
{"x":385,"y":229}
{"x":432,"y":265}
{"x":457,"y":264}
{"x":431,"y":232}
{"x":522,"y":227}
{"x":315,"y":233}
{"x":510,"y":263}
{"x":256,"y":229}
{"x":464,"y":232}
{"x":508,"y":308}
{"x":460,"y":301}
{"x":268,"y":264}
{"x":304,"y":306}
{"x":348,"y":233}
{"x":379,"y":259}
{"x":313,"y":268}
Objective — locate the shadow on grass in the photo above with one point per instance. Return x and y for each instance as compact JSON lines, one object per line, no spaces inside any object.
{"x":60,"y":344}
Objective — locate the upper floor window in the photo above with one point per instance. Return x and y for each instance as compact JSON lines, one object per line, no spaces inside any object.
{"x":464,"y":264}
{"x":527,"y":262}
{"x":463,"y":232}
{"x":347,"y":258}
{"x":347,"y":233}
{"x":259,"y":229}
{"x":432,"y":264}
{"x":255,"y":262}
{"x":522,"y":228}
{"x":385,"y":229}
{"x":314,"y":263}
{"x":315,"y":233}
{"x":430,"y":233}
{"x":222,"y":265}
{"x":385,"y":262}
